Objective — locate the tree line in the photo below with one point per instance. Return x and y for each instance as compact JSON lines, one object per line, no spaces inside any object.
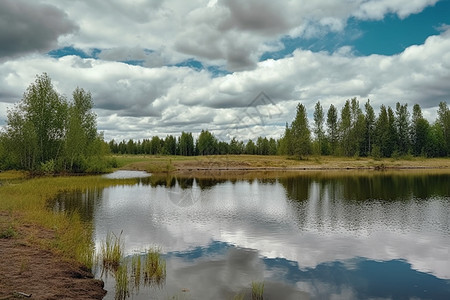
{"x":186,"y":145}
{"x":47,"y":133}
{"x":354,"y":132}
{"x":348,"y":132}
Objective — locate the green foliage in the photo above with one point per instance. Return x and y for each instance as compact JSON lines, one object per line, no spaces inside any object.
{"x":332,"y":123}
{"x":236,"y":147}
{"x":262,"y":146}
{"x":419,"y":132}
{"x":318,"y":127}
{"x":46,"y":133}
{"x":206,"y":143}
{"x":370,"y":128}
{"x":170,"y":145}
{"x":250,"y":147}
{"x":402,"y":128}
{"x":376,"y":152}
{"x":48,"y":167}
{"x":7,"y":233}
{"x":443,"y":121}
{"x":345,"y":127}
{"x":299,"y":138}
{"x":186,"y":144}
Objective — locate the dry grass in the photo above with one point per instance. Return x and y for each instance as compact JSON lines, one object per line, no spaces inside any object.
{"x":12,"y":175}
{"x":213,"y":163}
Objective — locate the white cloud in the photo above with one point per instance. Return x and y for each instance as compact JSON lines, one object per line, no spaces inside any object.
{"x":216,"y":32}
{"x":377,"y":9}
{"x":138,"y":102}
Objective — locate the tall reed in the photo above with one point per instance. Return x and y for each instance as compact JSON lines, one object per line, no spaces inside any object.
{"x":257,"y":290}
{"x":154,"y":267}
{"x":136,"y":270}
{"x":122,"y":282}
{"x":112,"y":252}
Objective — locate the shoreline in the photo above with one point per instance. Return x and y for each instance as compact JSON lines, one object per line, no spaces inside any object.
{"x":257,"y":163}
{"x":29,"y":267}
{"x":294,"y":169}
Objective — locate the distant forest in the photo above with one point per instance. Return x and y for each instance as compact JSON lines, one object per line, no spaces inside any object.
{"x":348,"y":132}
{"x":47,"y":133}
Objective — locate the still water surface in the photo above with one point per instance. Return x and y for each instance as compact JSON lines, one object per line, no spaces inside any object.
{"x":306,"y":236}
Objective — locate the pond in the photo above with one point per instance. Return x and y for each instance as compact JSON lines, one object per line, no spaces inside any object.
{"x":309,"y":235}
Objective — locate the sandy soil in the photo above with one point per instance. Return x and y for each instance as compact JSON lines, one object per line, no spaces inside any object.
{"x":242,"y":163}
{"x":28,"y":268}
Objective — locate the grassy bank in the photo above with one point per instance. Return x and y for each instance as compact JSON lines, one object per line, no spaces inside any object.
{"x":23,"y":203}
{"x":183,"y":164}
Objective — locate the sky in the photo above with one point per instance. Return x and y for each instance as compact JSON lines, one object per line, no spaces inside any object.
{"x":235,"y":68}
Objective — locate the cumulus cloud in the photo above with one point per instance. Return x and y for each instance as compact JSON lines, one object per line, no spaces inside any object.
{"x":156,"y":99}
{"x":28,"y":27}
{"x":375,"y":10}
{"x":140,"y":102}
{"x":225,"y":32}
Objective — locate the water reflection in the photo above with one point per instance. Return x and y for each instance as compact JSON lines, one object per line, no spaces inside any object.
{"x":370,"y":186}
{"x":228,"y":270}
{"x":125,"y":174}
{"x":290,"y":231}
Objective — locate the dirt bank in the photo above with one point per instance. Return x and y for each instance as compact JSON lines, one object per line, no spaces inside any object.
{"x":244,"y":163}
{"x":26,"y":267}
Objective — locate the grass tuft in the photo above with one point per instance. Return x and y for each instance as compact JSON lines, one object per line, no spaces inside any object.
{"x":257,"y":290}
{"x":112,"y":252}
{"x":8,"y":233}
{"x":136,"y":266}
{"x":122,"y":282}
{"x":154,"y":269}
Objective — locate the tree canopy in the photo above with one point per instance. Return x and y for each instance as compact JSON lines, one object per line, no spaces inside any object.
{"x":46,"y":132}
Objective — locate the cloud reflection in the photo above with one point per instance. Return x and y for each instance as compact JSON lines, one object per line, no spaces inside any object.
{"x":306,"y":220}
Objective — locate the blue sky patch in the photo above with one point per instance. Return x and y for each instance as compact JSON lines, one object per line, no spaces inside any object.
{"x":70,"y":50}
{"x":389,"y":36}
{"x":216,"y":71}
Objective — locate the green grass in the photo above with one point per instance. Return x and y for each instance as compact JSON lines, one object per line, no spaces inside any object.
{"x":13,"y":175}
{"x":112,"y":252}
{"x":136,"y":270}
{"x":257,"y":290}
{"x":154,"y":267}
{"x":8,"y":232}
{"x":132,"y":271}
{"x":122,"y":282}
